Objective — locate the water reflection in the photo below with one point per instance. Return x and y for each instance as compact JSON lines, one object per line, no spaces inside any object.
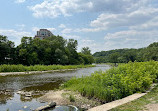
{"x":5,"y":95}
{"x":45,"y":86}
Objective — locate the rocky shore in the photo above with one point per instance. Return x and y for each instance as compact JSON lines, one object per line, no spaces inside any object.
{"x":62,"y":97}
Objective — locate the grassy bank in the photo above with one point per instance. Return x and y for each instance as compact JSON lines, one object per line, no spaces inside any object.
{"x":22,"y":68}
{"x":141,"y":103}
{"x":116,"y":83}
{"x":114,"y":64}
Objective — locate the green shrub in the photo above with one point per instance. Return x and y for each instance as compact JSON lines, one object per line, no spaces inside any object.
{"x":117,"y":82}
{"x":72,"y":98}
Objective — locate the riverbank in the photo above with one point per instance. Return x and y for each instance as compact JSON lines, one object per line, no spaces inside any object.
{"x":34,"y":72}
{"x":64,"y":97}
{"x":37,"y":69}
{"x":22,"y":68}
{"x":116,"y":83}
{"x":140,"y":101}
{"x":27,"y":89}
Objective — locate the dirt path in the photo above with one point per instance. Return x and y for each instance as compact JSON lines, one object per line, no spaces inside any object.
{"x":116,"y":103}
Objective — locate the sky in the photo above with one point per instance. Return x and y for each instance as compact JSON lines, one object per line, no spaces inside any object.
{"x":101,"y":25}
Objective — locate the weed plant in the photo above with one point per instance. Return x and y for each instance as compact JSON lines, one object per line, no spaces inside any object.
{"x":72,"y":98}
{"x":22,"y":68}
{"x":116,"y":83}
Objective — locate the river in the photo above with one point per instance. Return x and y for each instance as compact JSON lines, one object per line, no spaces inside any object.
{"x":22,"y":92}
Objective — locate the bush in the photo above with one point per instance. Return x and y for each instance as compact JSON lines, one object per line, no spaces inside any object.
{"x":116,"y":83}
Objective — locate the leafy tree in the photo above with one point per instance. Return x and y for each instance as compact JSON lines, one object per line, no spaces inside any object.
{"x":72,"y":51}
{"x":86,"y":51}
{"x":86,"y":55}
{"x":52,"y":50}
{"x":114,"y":57}
{"x":6,"y":50}
{"x":126,"y":55}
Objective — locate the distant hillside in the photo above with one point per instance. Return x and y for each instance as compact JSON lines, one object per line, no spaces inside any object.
{"x":126,"y":55}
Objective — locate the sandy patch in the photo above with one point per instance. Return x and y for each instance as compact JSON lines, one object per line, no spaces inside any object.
{"x":62,"y":97}
{"x":151,"y":107}
{"x":55,"y":96}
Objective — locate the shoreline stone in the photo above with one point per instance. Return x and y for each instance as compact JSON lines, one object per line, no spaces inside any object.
{"x":50,"y":105}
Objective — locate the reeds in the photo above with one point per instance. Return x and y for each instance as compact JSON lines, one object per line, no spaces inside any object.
{"x":22,"y":68}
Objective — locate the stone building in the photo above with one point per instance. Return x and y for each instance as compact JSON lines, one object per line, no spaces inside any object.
{"x":43,"y":33}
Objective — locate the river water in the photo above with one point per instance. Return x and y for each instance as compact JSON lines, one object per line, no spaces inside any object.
{"x":21,"y":92}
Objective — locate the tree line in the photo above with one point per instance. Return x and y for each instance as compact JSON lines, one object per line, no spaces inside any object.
{"x":126,"y":55}
{"x":52,"y":50}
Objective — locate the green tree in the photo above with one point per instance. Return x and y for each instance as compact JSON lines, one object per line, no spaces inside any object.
{"x":72,"y":51}
{"x":114,"y":57}
{"x":86,"y":51}
{"x":6,"y":50}
{"x":52,"y":50}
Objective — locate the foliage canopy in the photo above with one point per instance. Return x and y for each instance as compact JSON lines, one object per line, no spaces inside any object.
{"x":126,"y":55}
{"x":52,"y":50}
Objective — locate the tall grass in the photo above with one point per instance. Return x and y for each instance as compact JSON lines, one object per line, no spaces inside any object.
{"x":22,"y":68}
{"x":116,"y":83}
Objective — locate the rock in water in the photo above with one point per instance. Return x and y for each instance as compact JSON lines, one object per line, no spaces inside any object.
{"x":50,"y":105}
{"x":25,"y":107}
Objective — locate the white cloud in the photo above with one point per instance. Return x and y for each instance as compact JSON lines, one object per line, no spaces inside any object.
{"x":14,"y":35}
{"x":120,"y":40}
{"x":88,"y":29}
{"x":55,"y":8}
{"x":93,"y":45}
{"x":66,"y":30}
{"x":51,"y":29}
{"x":35,"y":29}
{"x":134,"y":18}
{"x":130,"y":39}
{"x":149,"y":25}
{"x":62,"y":26}
{"x":20,"y":26}
{"x":20,"y":1}
{"x":66,"y":36}
{"x":70,"y":30}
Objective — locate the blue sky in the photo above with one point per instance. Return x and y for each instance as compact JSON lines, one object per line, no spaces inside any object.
{"x":98,"y":24}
